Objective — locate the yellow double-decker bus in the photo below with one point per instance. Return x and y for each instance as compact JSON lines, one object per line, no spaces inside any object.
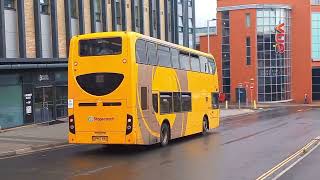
{"x":127,"y":88}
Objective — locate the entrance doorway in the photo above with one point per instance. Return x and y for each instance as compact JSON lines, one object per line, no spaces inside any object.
{"x":43,"y":106}
{"x":316,"y":84}
{"x":242,"y":94}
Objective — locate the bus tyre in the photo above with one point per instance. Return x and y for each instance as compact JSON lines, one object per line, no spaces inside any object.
{"x":164,"y":135}
{"x":205,"y":126}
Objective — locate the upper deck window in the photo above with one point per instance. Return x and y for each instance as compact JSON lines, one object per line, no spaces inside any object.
{"x":100,"y":47}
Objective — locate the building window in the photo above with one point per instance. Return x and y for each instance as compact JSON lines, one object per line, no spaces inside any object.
{"x":226,"y":83}
{"x":248,"y":48}
{"x":97,"y":10}
{"x":118,"y":13}
{"x":74,"y":9}
{"x":136,"y":18}
{"x":9,"y":4}
{"x":248,"y":20}
{"x":154,"y":18}
{"x":315,"y":2}
{"x":44,"y":7}
{"x":316,"y":36}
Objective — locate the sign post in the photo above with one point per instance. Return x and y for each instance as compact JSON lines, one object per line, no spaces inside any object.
{"x":239,"y":94}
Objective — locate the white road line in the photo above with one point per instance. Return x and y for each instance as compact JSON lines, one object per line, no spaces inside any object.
{"x":296,"y":162}
{"x":93,"y":171}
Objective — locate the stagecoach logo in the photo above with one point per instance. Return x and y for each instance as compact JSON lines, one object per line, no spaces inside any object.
{"x":280,"y":38}
{"x":92,"y":119}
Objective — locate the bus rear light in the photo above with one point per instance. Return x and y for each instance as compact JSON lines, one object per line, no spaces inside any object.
{"x":72,"y":128}
{"x":129,"y":124}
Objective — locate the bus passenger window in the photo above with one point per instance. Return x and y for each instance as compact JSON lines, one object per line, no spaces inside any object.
{"x":212,"y":66}
{"x":164,"y":56}
{"x":152,"y":54}
{"x":165,"y":103}
{"x":144,"y":98}
{"x":204,"y":64}
{"x":100,"y":47}
{"x":141,"y":50}
{"x":186,"y":102}
{"x":195,"y":64}
{"x":175,"y":58}
{"x":155,"y":102}
{"x":177,"y":102}
{"x":184,"y":62}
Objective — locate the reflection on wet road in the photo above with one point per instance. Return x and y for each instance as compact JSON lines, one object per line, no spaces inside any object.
{"x":241,"y":148}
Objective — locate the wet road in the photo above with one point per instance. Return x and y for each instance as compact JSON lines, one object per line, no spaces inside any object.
{"x":308,"y":168}
{"x":242,"y":148}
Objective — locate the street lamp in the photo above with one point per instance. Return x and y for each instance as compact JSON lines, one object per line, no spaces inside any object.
{"x":208,"y":24}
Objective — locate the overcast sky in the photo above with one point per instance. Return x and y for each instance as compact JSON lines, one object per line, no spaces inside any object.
{"x":205,"y":9}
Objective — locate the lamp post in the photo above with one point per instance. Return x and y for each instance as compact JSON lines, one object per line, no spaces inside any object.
{"x":208,"y":24}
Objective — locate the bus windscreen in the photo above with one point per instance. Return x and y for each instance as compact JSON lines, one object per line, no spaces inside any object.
{"x":100,"y":47}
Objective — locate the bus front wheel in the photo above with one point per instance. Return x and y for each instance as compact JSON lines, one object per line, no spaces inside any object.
{"x":205,"y":126}
{"x":164,"y":134}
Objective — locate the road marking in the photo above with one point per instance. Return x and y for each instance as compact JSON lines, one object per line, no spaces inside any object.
{"x":286,"y":161}
{"x":93,"y":171}
{"x":296,"y":162}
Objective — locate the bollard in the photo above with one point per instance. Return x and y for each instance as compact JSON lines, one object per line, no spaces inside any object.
{"x":227,"y":105}
{"x":254,"y":104}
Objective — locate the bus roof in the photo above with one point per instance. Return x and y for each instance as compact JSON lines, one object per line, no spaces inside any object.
{"x":162,"y":42}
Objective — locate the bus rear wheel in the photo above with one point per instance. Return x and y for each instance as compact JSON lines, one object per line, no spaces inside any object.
{"x":164,"y":135}
{"x":205,"y":126}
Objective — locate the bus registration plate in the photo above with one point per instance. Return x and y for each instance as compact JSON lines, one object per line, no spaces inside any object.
{"x":100,"y":138}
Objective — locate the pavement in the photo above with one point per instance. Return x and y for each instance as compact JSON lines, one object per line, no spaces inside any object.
{"x":33,"y":138}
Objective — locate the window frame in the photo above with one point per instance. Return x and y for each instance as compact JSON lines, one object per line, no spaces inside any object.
{"x":156,"y":53}
{"x":145,"y":52}
{"x":170,"y":105}
{"x":184,"y":54}
{"x":43,"y":4}
{"x":164,"y":49}
{"x":183,"y":104}
{"x":13,"y":2}
{"x":155,"y":104}
{"x":74,"y":9}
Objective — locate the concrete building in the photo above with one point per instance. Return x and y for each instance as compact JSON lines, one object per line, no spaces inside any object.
{"x":34,"y":38}
{"x":268,"y":50}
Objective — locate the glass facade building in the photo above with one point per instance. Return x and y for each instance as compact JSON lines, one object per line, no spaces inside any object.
{"x":274,"y":64}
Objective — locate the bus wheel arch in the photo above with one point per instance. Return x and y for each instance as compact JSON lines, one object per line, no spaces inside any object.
{"x":165,"y":133}
{"x":205,"y":124}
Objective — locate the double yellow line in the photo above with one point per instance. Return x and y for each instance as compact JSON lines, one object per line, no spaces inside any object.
{"x":302,"y":151}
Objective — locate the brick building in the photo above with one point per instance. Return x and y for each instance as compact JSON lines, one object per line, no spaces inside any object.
{"x":272,"y":46}
{"x":34,"y":38}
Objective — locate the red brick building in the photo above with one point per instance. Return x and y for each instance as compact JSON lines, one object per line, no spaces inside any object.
{"x":272,"y":46}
